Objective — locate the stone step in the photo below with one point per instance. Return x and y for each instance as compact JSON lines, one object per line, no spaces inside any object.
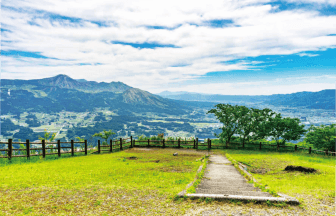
{"x":225,"y":181}
{"x":226,"y":177}
{"x":224,"y":187}
{"x":233,"y":192}
{"x":230,"y":189}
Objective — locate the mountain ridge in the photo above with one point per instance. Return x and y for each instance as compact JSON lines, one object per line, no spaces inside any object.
{"x":64,"y":81}
{"x":324,"y":99}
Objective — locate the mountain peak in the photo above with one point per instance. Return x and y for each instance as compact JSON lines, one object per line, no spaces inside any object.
{"x":138,"y":96}
{"x":62,"y":81}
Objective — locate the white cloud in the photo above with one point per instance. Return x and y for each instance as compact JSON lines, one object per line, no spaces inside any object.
{"x":256,"y":30}
{"x":308,"y":54}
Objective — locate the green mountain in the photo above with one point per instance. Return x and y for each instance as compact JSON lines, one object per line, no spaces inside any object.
{"x":324,"y":99}
{"x":64,"y":93}
{"x":64,"y":81}
{"x":139,"y":97}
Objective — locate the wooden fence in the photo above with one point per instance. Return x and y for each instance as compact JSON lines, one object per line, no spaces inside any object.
{"x":45,"y":148}
{"x":122,"y":143}
{"x":273,"y":147}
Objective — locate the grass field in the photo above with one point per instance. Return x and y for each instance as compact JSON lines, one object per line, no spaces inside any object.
{"x":99,"y":184}
{"x":117,"y":184}
{"x":314,"y":190}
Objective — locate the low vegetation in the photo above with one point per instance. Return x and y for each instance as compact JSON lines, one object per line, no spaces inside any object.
{"x":128,"y":182}
{"x":146,"y":181}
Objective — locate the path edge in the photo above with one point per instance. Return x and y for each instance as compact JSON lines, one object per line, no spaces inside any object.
{"x":282,"y":198}
{"x":184,"y":192}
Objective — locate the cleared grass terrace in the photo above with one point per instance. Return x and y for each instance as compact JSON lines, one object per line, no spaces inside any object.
{"x":142,"y":181}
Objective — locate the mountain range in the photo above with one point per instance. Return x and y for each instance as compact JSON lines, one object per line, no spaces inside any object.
{"x":324,"y":99}
{"x":64,"y":93}
{"x":61,"y":92}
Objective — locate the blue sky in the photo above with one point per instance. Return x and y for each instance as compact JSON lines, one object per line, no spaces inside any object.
{"x":246,"y":47}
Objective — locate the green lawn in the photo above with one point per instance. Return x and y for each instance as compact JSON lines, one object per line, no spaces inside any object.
{"x":268,"y":169}
{"x":116,"y":184}
{"x":98,"y":184}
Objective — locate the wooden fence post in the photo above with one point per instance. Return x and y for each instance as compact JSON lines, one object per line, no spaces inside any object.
{"x":148,"y":143}
{"x":178,"y":143}
{"x":335,"y":147}
{"x":210,"y":143}
{"x":98,"y":146}
{"x":111,"y":145}
{"x":72,"y":148}
{"x":59,"y":147}
{"x":131,"y":142}
{"x":194,"y":143}
{"x":197,"y":143}
{"x":43,"y":149}
{"x":295,"y":148}
{"x":10,"y":149}
{"x":85,"y":146}
{"x":327,"y":152}
{"x":259,"y":145}
{"x":121,"y":144}
{"x":28,"y":148}
{"x":309,"y":150}
{"x":163,"y":143}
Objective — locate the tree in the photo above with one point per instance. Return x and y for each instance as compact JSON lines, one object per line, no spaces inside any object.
{"x":48,"y":138}
{"x":245,"y":122}
{"x":322,"y":137}
{"x":285,"y":128}
{"x":47,"y":135}
{"x":104,"y":135}
{"x":81,"y":140}
{"x":229,"y":116}
{"x":261,"y":119}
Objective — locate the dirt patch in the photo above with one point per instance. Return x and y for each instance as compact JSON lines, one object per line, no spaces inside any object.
{"x":142,"y":149}
{"x":258,"y":170}
{"x":300,"y":168}
{"x":132,"y":158}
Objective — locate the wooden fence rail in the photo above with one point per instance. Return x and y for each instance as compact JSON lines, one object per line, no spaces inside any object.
{"x":121,"y":143}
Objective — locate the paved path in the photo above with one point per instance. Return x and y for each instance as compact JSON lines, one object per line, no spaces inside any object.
{"x":221,"y":177}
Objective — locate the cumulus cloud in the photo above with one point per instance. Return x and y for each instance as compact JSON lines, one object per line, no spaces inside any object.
{"x":78,"y":38}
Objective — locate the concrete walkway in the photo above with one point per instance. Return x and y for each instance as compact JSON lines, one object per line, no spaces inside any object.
{"x":222,"y":180}
{"x":221,"y":177}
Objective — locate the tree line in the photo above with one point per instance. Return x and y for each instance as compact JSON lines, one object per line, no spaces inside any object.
{"x":251,"y":124}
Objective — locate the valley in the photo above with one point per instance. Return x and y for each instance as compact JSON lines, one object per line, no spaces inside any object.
{"x":73,"y":109}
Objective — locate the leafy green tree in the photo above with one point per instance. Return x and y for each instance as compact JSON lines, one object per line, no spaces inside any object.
{"x":229,"y":116}
{"x":104,"y":135}
{"x":260,"y":123}
{"x":245,"y":122}
{"x":82,"y":145}
{"x":285,"y":128}
{"x":322,"y":137}
{"x":48,"y":137}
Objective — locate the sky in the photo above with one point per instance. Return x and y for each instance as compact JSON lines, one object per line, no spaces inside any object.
{"x":230,"y":47}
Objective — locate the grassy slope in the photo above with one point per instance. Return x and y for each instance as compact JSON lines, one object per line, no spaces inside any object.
{"x":98,"y":184}
{"x":314,"y":191}
{"x":109,"y":184}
